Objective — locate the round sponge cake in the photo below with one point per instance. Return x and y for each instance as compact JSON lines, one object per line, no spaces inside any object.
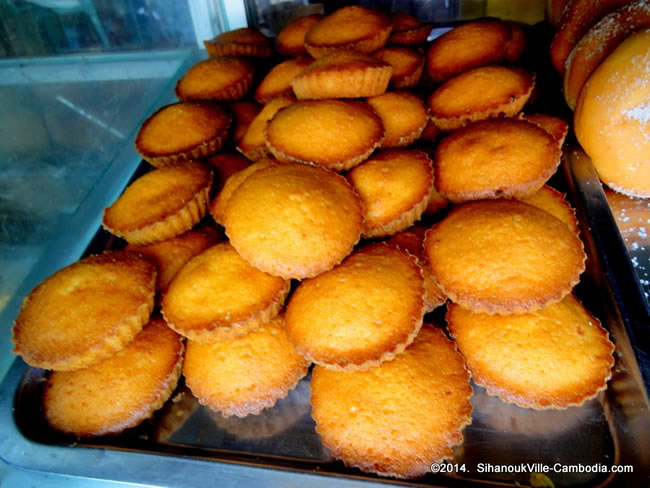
{"x":119,"y":392}
{"x":218,"y":296}
{"x":245,"y":375}
{"x":504,"y":257}
{"x":294,"y":220}
{"x":612,"y":118}
{"x":361,"y":313}
{"x":223,"y":79}
{"x":349,"y":28}
{"x":508,"y":158}
{"x":552,"y":358}
{"x":398,"y":418}
{"x":332,"y":133}
{"x":395,"y":187}
{"x":479,"y":94}
{"x":86,"y":312}
{"x":161,"y":204}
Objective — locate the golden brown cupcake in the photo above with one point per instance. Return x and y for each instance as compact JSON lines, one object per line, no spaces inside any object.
{"x":517,"y":44}
{"x":291,"y":40}
{"x":246,"y":375}
{"x":397,"y":419}
{"x":218,"y":205}
{"x":554,"y":202}
{"x":407,"y":30}
{"x":253,"y":143}
{"x":223,"y":166}
{"x":350,"y":28}
{"x":470,"y":45}
{"x":243,"y":114}
{"x":161,"y":204}
{"x":171,"y":255}
{"x":224,"y":79}
{"x":394,"y":187}
{"x":218,"y":296}
{"x":430,"y":132}
{"x":239,"y":42}
{"x":577,"y":18}
{"x":343,"y":75}
{"x":119,"y":392}
{"x":598,"y":43}
{"x":556,"y":357}
{"x":411,"y":240}
{"x":555,"y":126}
{"x":278,"y":81}
{"x":407,"y":65}
{"x":363,"y":312}
{"x":504,"y":257}
{"x":335,"y":134}
{"x":294,"y":220}
{"x":507,"y":158}
{"x":403,"y":116}
{"x":182,"y":132}
{"x":481,"y":93}
{"x":85,"y":312}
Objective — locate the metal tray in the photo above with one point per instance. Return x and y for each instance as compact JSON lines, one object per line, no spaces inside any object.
{"x":186,"y":443}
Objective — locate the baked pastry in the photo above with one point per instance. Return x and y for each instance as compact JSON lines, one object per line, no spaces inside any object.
{"x":411,"y":240}
{"x":335,"y":134}
{"x":407,"y":65}
{"x":223,"y":79}
{"x":161,"y":204}
{"x":363,"y":312}
{"x":403,"y":116}
{"x":556,"y":357}
{"x":553,"y":202}
{"x":243,"y":114}
{"x":253,"y":144}
{"x":218,"y":205}
{"x":504,"y":257}
{"x":577,"y":18}
{"x":481,"y":93}
{"x":239,"y":42}
{"x":246,"y":375}
{"x":598,"y":43}
{"x":612,"y":123}
{"x":278,"y":81}
{"x":557,"y":127}
{"x":394,"y":187}
{"x":119,"y":392}
{"x":218,"y":296}
{"x":85,"y":312}
{"x":343,"y":75}
{"x":223,"y":166}
{"x":517,"y":43}
{"x":171,"y":255}
{"x":407,"y":30}
{"x":290,"y":41}
{"x":309,"y":222}
{"x":430,"y":132}
{"x":182,"y":132}
{"x":554,"y":10}
{"x":497,"y":158}
{"x":399,"y":418}
{"x":349,"y":28}
{"x":470,"y":45}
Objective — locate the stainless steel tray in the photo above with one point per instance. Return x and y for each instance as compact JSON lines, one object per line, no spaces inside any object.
{"x":186,"y":443}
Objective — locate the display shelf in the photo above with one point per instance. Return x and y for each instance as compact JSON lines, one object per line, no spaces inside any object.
{"x":66,"y":151}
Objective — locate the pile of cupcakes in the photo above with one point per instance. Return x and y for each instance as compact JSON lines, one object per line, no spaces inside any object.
{"x":325,"y":260}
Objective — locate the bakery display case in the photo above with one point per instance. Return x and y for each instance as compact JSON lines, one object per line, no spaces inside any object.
{"x":74,"y":98}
